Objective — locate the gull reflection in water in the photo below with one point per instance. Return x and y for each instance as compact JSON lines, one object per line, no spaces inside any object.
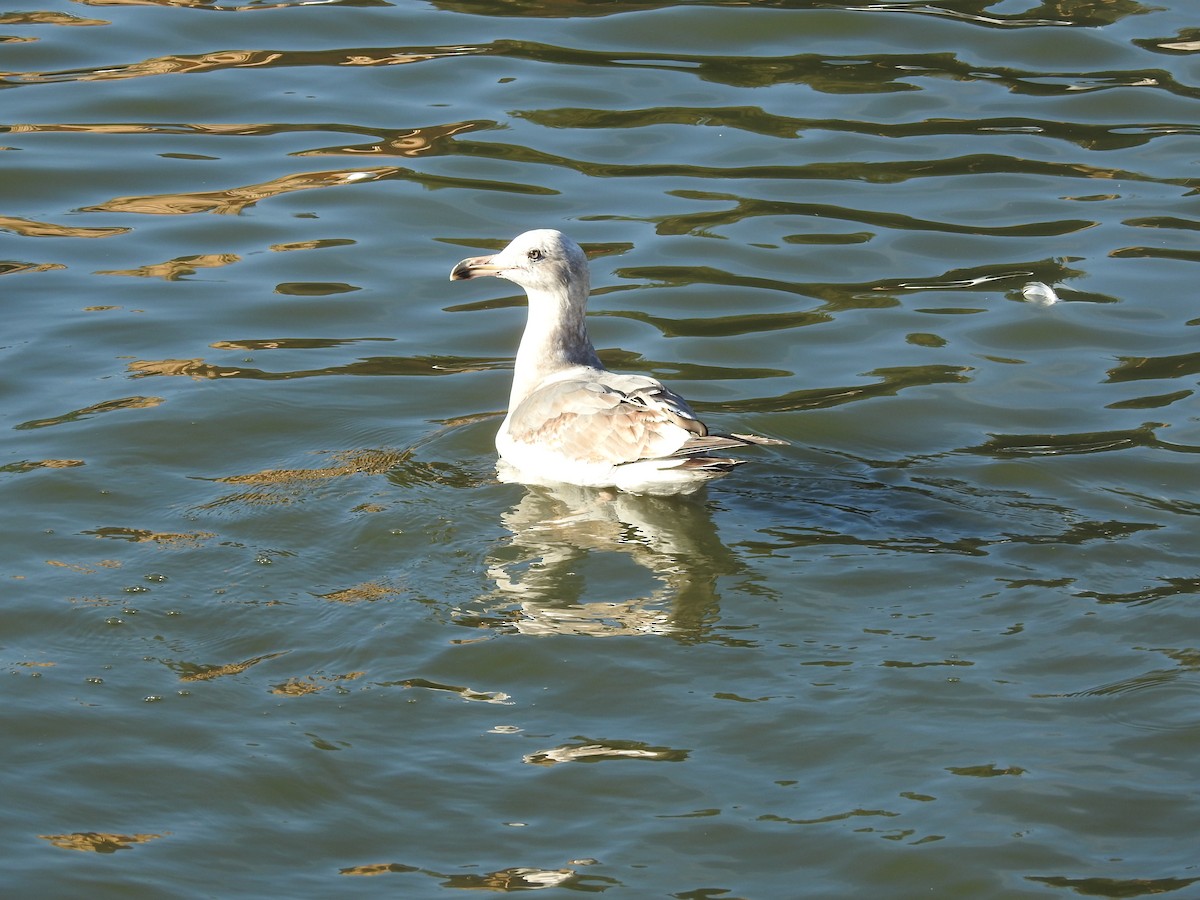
{"x":566,"y":569}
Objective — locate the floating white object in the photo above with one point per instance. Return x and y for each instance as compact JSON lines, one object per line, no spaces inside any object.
{"x":570,"y":420}
{"x":1040,"y":294}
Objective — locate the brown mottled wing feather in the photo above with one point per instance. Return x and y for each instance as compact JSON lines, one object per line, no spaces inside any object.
{"x":623,"y":419}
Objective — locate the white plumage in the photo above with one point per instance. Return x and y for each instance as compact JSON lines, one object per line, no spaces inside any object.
{"x":570,"y":420}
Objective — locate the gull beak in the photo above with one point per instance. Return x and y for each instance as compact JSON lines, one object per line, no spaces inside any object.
{"x":474,"y":267}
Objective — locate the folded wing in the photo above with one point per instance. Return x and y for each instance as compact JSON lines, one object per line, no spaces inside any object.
{"x":614,"y":420}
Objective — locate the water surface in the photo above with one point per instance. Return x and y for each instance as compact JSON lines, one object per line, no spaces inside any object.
{"x":273,"y":628}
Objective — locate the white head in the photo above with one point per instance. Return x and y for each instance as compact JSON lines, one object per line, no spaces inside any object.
{"x":541,"y":261}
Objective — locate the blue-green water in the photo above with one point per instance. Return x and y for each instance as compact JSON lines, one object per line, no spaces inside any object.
{"x":270,"y":625}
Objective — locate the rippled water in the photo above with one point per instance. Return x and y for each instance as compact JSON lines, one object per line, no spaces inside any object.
{"x":271,"y":625}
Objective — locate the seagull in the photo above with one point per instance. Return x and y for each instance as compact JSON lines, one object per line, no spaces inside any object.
{"x":572,"y":421}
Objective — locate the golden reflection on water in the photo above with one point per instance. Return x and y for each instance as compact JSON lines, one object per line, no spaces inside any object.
{"x":98,"y":841}
{"x":84,"y":569}
{"x":14,"y":267}
{"x":175,"y":269}
{"x":196,"y":368}
{"x":45,"y":17}
{"x":202,"y":672}
{"x":141,"y":128}
{"x":29,"y":465}
{"x":350,"y":462}
{"x":274,"y":487}
{"x":238,"y":59}
{"x":369,"y":591}
{"x":189,"y":539}
{"x":233,"y":200}
{"x":312,"y":684}
{"x":311,"y":245}
{"x":31,"y":228}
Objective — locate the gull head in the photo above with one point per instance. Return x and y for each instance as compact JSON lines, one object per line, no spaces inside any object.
{"x":540,"y":261}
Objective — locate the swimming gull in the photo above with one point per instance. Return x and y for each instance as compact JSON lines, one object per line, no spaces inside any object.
{"x":570,"y":420}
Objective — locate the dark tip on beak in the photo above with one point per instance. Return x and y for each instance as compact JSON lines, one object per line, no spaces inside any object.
{"x":473,"y":268}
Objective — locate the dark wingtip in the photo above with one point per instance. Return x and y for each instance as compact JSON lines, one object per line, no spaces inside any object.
{"x":712,"y":463}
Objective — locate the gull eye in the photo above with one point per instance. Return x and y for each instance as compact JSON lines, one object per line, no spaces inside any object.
{"x":534,"y":255}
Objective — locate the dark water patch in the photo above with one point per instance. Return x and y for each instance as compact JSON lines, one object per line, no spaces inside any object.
{"x":755,"y":120}
{"x":319,"y":244}
{"x":889,"y":172}
{"x":1176,"y":506}
{"x":375,"y":365}
{"x":314,"y":288}
{"x":1115,"y":888}
{"x":881,"y":73}
{"x":1009,"y":277}
{"x":1185,"y":41}
{"x":1151,"y":368}
{"x":748,"y":208}
{"x":617,"y":359}
{"x":1157,"y":401}
{"x":836,"y":296}
{"x":990,"y":770}
{"x":1008,"y":446}
{"x":857,"y":237}
{"x":1173,"y":222}
{"x":969,"y":12}
{"x":721,"y":325}
{"x":1168,"y":589}
{"x":1156,"y":253}
{"x":891,"y":381}
{"x":88,"y":412}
